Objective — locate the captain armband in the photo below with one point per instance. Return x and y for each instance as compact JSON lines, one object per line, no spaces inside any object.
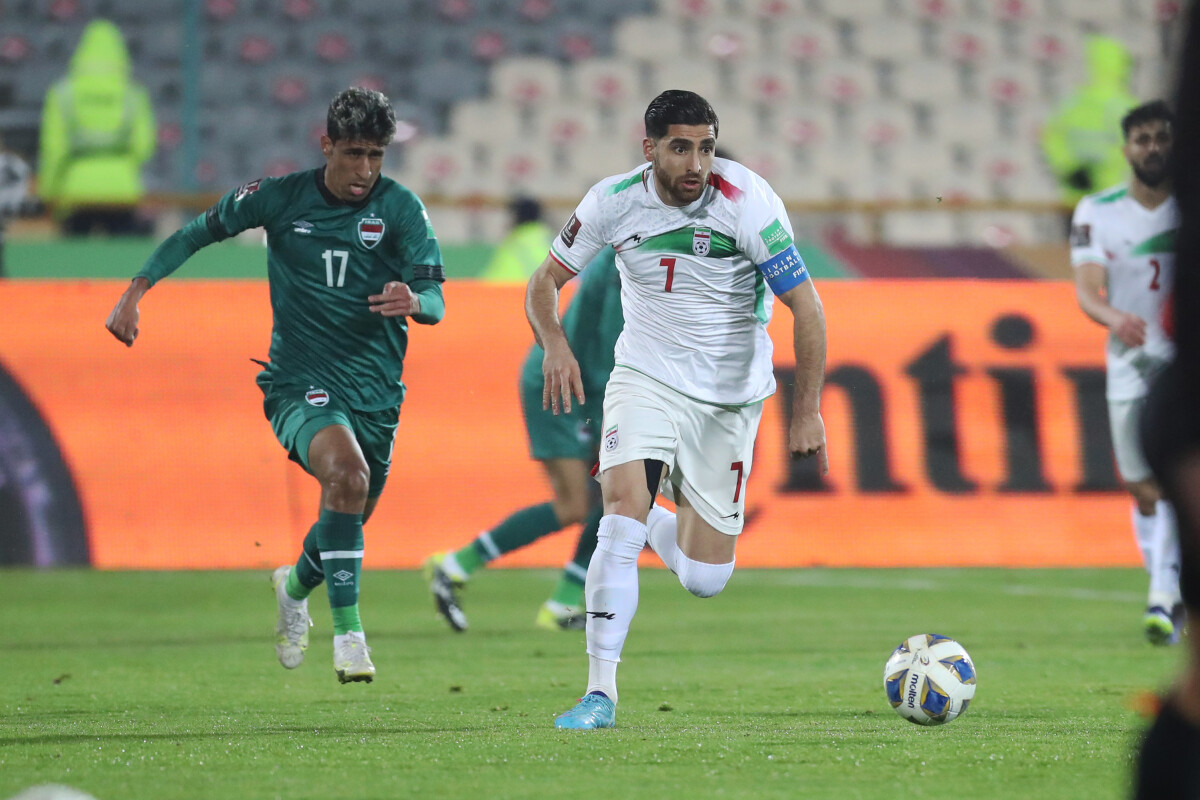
{"x":429,"y":272}
{"x":212,"y":221}
{"x":785,"y":270}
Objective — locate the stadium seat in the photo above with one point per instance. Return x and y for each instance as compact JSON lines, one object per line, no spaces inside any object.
{"x":441,"y":82}
{"x":648,"y":39}
{"x":435,"y":166}
{"x":728,"y":38}
{"x":966,"y":122}
{"x":488,"y":119}
{"x":565,"y":124}
{"x":740,"y":129}
{"x":1094,"y":11}
{"x":932,"y":82}
{"x":846,"y":82}
{"x":1019,"y":10}
{"x":696,"y":75}
{"x":766,"y":81}
{"x":527,"y":167}
{"x":573,"y":43}
{"x":1010,"y":83}
{"x":806,"y":42}
{"x":884,"y":125}
{"x":776,"y":11}
{"x":527,"y":81}
{"x":940,"y":11}
{"x":691,"y":9}
{"x":969,"y":42}
{"x":258,"y":45}
{"x":607,"y":82}
{"x":851,"y":10}
{"x":1053,"y":45}
{"x":895,"y":39}
{"x":806,"y":126}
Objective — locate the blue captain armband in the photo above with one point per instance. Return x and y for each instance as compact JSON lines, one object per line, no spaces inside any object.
{"x":785,"y":270}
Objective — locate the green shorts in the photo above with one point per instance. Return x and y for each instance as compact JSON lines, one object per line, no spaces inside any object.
{"x":574,"y":435}
{"x":297,"y":411}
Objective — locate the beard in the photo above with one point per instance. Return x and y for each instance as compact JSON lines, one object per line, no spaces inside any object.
{"x":1153,"y":173}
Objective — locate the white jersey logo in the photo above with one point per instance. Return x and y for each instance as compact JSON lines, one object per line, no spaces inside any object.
{"x":701,"y":241}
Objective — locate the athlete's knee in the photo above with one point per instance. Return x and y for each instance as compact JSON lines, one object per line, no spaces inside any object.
{"x":572,"y":508}
{"x":703,"y":580}
{"x":347,"y":483}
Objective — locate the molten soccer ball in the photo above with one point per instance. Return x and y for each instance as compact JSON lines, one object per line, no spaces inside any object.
{"x":929,"y":679}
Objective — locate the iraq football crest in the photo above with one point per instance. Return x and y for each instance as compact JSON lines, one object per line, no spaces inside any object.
{"x":701,"y":241}
{"x":370,"y":231}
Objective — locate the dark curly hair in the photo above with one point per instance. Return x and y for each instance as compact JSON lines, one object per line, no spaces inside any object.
{"x":678,"y":107}
{"x":359,"y":114}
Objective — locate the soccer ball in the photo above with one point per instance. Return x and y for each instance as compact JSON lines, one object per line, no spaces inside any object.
{"x":929,"y":679}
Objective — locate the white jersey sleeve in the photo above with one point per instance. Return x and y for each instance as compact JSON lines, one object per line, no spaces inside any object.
{"x":765,"y":236}
{"x":1087,"y":236}
{"x":583,"y":236}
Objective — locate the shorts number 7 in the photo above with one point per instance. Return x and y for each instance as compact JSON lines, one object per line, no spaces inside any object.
{"x":737,"y":491}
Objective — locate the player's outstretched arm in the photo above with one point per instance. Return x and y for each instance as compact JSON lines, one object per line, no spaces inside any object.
{"x":560,"y":370}
{"x":806,"y":436}
{"x":123,"y":319}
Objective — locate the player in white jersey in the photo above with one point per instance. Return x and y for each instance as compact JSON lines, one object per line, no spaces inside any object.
{"x":1122,"y":249}
{"x":702,"y":245}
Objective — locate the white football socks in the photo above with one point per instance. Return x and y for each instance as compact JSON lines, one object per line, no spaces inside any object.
{"x":1143,"y":531}
{"x":611,"y":593}
{"x":661,"y":527}
{"x":1164,"y":560}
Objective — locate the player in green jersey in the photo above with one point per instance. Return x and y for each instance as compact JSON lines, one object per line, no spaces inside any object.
{"x":566,"y":446}
{"x":351,"y":257}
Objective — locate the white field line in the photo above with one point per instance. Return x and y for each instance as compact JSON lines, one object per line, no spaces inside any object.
{"x":834,"y":579}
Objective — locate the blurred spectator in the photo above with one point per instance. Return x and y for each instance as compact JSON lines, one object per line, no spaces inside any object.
{"x":525,"y":246}
{"x":1082,"y":141}
{"x":14,"y":192}
{"x":97,"y":131}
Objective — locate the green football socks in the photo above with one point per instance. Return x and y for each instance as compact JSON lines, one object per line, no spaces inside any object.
{"x":519,"y":529}
{"x":307,"y":574}
{"x":340,"y":539}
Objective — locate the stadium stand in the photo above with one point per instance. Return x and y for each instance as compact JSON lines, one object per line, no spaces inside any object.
{"x":904,"y":100}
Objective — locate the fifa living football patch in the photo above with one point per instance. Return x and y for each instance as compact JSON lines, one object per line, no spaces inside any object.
{"x":775,"y":237}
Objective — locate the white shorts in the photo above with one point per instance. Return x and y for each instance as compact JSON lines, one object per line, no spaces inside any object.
{"x":1123,"y":416}
{"x":708,"y":449}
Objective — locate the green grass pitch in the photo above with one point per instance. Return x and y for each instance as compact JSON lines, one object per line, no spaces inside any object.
{"x":165,"y":685}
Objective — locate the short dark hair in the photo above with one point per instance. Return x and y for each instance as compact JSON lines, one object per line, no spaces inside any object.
{"x":1147,"y":112}
{"x":359,"y":114}
{"x":678,"y":107}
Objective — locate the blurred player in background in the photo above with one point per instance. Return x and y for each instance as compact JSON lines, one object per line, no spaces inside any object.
{"x":566,"y":445}
{"x":1122,"y":249}
{"x":1168,"y":767}
{"x":350,"y":256}
{"x":699,"y":240}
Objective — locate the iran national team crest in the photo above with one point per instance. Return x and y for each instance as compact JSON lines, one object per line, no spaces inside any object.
{"x":370,"y":231}
{"x":701,"y":241}
{"x":317,"y":397}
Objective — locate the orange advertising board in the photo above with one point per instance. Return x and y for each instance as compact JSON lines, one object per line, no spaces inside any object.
{"x":966,"y":426}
